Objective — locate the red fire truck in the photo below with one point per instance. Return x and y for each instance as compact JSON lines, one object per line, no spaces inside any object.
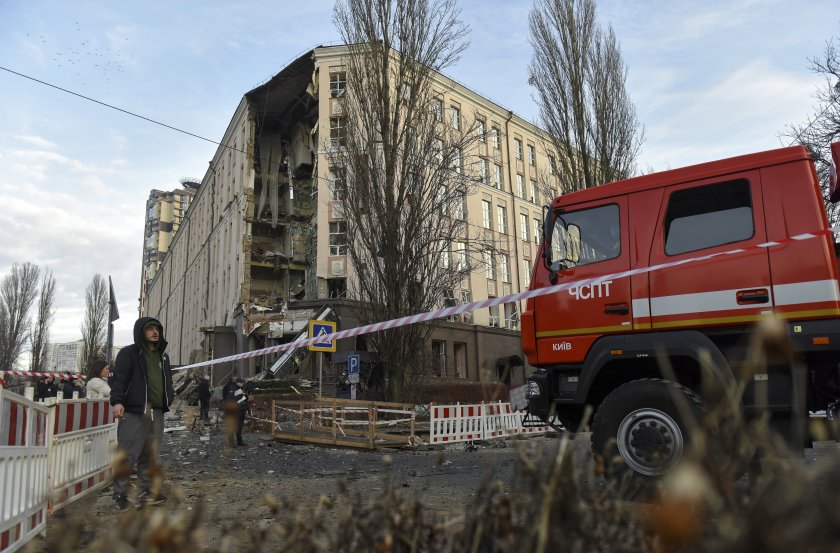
{"x":698,"y":256}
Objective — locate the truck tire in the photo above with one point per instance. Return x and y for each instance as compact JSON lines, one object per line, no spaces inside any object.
{"x":639,"y":430}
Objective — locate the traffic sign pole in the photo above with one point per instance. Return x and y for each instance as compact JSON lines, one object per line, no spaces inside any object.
{"x":320,"y":373}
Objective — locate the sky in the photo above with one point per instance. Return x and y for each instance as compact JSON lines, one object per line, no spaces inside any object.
{"x":709,"y":80}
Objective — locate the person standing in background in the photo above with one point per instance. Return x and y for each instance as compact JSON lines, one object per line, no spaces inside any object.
{"x":98,"y":379}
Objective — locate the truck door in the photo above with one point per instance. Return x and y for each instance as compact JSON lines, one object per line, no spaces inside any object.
{"x":722,"y":216}
{"x":589,"y":240}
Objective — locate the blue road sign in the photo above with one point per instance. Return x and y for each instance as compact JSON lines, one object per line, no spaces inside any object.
{"x":353,"y":364}
{"x":319,"y":329}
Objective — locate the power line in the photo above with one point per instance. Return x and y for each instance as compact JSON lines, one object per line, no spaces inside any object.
{"x":113,"y":107}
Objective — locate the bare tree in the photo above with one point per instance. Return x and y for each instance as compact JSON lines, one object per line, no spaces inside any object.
{"x":405,"y":168}
{"x":43,"y":319}
{"x":17,"y":293}
{"x":823,"y":127}
{"x":579,"y":78}
{"x":95,"y":325}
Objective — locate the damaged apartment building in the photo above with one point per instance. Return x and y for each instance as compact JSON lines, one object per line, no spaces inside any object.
{"x":262,"y":248}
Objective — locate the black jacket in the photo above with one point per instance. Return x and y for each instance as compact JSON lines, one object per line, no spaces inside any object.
{"x":128,"y":386}
{"x":204,"y":390}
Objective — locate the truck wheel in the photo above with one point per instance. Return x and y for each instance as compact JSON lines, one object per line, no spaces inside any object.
{"x":640,"y":428}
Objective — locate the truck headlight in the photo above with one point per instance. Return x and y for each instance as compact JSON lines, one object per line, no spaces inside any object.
{"x":533,"y":391}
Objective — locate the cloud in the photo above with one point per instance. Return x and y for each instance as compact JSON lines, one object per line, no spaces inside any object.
{"x":37,"y":141}
{"x":77,"y":223}
{"x":746,"y":107}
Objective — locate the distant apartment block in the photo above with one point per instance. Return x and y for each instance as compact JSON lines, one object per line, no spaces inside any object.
{"x":65,"y":357}
{"x":262,"y":247}
{"x":164,"y":213}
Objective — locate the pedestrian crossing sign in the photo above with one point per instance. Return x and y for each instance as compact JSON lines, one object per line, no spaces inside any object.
{"x":318,"y":329}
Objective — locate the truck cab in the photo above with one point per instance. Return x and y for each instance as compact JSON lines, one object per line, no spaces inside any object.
{"x":666,"y":276}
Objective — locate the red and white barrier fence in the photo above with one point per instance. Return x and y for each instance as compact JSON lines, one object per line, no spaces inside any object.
{"x":24,"y":451}
{"x":72,"y":376}
{"x":51,"y":453}
{"x":484,"y":421}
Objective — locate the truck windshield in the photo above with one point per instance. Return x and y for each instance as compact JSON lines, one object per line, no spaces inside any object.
{"x":585,"y":236}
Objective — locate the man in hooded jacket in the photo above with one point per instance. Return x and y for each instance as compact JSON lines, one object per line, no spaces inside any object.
{"x":141,"y":392}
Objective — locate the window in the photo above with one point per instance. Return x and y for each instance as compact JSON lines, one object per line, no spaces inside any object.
{"x":504,"y":267}
{"x":460,"y":200}
{"x":457,"y":161}
{"x":442,"y":200}
{"x":481,"y":129}
{"x":461,"y":256}
{"x":437,"y":109}
{"x":586,"y":236}
{"x":526,"y":280}
{"x":455,"y":117}
{"x":537,"y":230}
{"x":552,"y":165}
{"x":438,"y":147}
{"x":552,"y":193}
{"x":484,"y":166}
{"x":511,"y":316}
{"x":439,"y":357}
{"x":485,"y":215}
{"x":338,"y":131}
{"x":520,"y":186}
{"x":517,"y":144}
{"x":337,"y":287}
{"x":406,"y":92}
{"x":497,"y":178}
{"x":444,"y":259}
{"x":532,"y":155}
{"x":489,"y":264}
{"x":532,"y":190}
{"x":494,"y":314}
{"x":501,"y":214}
{"x":494,"y":137}
{"x":708,"y":216}
{"x":338,"y":184}
{"x":338,"y":84}
{"x":338,"y":238}
{"x":523,"y":226}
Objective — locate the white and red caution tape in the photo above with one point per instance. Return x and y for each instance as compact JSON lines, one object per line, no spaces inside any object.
{"x":59,"y":375}
{"x":491,"y":302}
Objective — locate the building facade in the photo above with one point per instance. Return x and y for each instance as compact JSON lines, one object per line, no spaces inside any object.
{"x":164,"y":212}
{"x":66,"y":357}
{"x":259,"y":251}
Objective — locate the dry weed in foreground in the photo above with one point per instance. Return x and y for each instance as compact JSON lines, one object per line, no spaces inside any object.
{"x":789,"y":506}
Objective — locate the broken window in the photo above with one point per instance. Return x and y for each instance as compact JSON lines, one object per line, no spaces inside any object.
{"x":338,"y":83}
{"x":494,"y":313}
{"x":511,"y":316}
{"x":338,"y":131}
{"x":337,"y":287}
{"x":338,"y":183}
{"x":338,"y":238}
